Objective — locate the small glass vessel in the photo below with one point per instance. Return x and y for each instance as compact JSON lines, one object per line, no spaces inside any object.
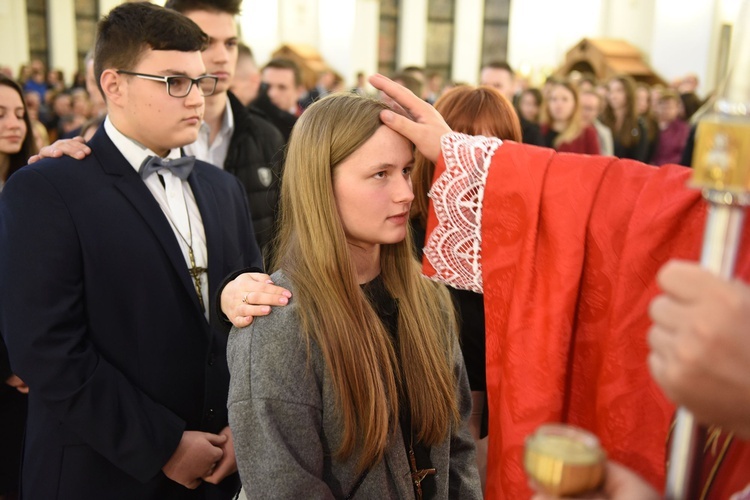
{"x":564,"y":460}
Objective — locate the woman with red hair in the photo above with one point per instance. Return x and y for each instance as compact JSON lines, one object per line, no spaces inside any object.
{"x":474,"y":111}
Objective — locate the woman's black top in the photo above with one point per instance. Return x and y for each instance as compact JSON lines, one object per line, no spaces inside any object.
{"x":386,"y":308}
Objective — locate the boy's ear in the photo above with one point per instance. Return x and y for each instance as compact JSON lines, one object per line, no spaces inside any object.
{"x":113,"y":85}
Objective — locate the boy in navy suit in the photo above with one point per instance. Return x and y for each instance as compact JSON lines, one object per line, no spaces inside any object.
{"x":108,"y":271}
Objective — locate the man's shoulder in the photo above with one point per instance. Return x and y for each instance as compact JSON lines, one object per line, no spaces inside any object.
{"x":63,"y":168}
{"x":56,"y":178}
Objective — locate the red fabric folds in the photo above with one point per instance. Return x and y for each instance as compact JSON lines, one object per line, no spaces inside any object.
{"x":570,"y":248}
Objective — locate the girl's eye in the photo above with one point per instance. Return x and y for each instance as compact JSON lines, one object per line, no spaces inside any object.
{"x":380,"y":175}
{"x":407,"y":171}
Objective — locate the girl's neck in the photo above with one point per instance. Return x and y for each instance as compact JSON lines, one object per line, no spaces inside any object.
{"x":619,"y":116}
{"x":216,"y":106}
{"x":366,"y":262}
{"x":559,"y":126}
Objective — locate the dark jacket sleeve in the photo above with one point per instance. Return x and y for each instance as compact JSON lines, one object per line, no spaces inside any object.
{"x":5,"y":370}
{"x":255,"y":157}
{"x":44,"y":324}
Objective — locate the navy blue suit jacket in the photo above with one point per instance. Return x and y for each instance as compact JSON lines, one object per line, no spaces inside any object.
{"x":102,"y":321}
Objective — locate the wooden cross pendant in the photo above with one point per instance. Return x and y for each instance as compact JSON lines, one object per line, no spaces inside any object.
{"x":417,"y":475}
{"x":195,"y":273}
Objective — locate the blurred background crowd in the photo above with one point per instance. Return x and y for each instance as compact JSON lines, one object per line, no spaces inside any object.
{"x":574,"y":113}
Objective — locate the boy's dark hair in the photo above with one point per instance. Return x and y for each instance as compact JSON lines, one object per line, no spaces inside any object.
{"x":129,"y":29}
{"x":280,"y":63}
{"x":412,"y":69}
{"x":245,"y":51}
{"x":409,"y":81}
{"x":184,"y":6}
{"x":499,"y":65}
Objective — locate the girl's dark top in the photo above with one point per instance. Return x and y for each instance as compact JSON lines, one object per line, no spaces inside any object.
{"x":639,"y":148}
{"x":470,"y":310}
{"x":386,"y":308}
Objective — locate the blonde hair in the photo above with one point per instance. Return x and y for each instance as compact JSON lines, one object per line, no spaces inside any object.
{"x":334,"y":311}
{"x":574,"y":127}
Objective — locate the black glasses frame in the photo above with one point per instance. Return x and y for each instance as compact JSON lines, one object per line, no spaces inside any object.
{"x":169,"y":79}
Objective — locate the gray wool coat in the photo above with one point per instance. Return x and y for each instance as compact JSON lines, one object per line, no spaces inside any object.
{"x":283,"y":419}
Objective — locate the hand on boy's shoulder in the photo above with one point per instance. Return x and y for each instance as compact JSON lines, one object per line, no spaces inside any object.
{"x":75,"y":148}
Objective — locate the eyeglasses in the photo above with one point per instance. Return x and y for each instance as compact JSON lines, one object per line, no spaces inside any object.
{"x":180,"y":86}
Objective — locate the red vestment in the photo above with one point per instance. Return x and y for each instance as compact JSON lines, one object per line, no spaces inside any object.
{"x":570,"y":246}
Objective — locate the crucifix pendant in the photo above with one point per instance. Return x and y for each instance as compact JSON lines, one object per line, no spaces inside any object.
{"x":417,"y":475}
{"x":196,"y":273}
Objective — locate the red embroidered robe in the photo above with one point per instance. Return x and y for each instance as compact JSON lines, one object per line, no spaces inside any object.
{"x":565,"y":249}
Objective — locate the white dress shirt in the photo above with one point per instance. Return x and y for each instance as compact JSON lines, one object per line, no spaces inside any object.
{"x":213,"y":152}
{"x":176,"y":199}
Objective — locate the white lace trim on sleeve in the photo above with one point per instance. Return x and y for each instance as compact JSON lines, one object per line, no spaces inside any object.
{"x":454,"y":247}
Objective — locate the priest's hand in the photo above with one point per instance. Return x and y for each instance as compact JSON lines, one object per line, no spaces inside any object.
{"x":196,"y":456}
{"x":250,"y":295}
{"x":700,"y":352}
{"x":424,"y":126}
{"x":620,"y":483}
{"x":75,"y":148}
{"x":228,"y":463}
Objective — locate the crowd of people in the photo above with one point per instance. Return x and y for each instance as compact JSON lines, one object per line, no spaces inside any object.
{"x":577,"y":113}
{"x":56,"y":109}
{"x":615,"y":117}
{"x":346,"y":374}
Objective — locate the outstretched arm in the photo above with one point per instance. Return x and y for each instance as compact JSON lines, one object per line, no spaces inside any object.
{"x":244,"y":297}
{"x":75,"y":148}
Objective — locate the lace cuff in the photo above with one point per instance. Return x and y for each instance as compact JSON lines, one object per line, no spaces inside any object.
{"x":454,"y":247}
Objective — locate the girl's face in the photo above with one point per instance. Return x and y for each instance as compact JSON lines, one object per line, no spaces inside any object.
{"x":12,"y":126}
{"x":373,"y":192}
{"x":616,"y":95}
{"x":562,"y":104}
{"x":668,"y":110}
{"x":528,"y":107}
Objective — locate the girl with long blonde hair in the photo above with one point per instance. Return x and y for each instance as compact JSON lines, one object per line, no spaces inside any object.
{"x":358,"y":385}
{"x":620,"y":115}
{"x":561,"y":123}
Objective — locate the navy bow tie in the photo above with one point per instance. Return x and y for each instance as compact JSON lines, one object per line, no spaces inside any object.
{"x":181,"y":167}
